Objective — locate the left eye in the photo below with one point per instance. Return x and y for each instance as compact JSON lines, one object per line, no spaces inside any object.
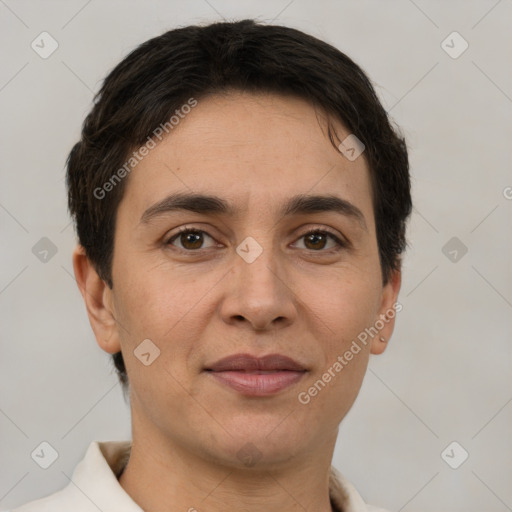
{"x":193,"y":239}
{"x":318,"y":239}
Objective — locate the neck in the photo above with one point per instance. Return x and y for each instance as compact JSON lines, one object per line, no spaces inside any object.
{"x":163,"y":476}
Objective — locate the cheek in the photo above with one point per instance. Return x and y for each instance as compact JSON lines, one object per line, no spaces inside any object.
{"x":344,"y":308}
{"x":343,"y":301}
{"x":334,"y":385}
{"x":149,"y":294}
{"x":166,"y":306}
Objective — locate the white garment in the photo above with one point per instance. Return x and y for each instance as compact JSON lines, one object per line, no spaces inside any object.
{"x":94,"y":486}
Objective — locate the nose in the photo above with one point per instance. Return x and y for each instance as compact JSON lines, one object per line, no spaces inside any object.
{"x":259,"y":293}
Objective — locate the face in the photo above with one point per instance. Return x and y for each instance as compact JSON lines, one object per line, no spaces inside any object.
{"x":250,"y":278}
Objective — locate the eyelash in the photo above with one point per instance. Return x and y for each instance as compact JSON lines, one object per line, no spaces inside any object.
{"x":341,"y":244}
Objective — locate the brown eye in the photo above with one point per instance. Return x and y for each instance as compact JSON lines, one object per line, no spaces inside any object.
{"x":317,"y":240}
{"x":190,"y":239}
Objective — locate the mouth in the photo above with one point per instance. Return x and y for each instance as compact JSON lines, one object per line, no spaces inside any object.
{"x":257,"y":376}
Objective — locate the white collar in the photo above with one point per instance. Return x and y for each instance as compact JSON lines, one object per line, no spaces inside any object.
{"x":94,"y":486}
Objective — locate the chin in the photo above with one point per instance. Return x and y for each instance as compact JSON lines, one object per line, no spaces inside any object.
{"x":256,"y":443}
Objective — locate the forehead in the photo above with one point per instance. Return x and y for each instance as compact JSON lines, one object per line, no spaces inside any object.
{"x":255,"y":150}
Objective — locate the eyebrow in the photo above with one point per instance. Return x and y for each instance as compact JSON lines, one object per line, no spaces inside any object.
{"x":210,"y":204}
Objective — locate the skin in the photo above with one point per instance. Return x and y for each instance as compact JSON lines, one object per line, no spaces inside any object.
{"x":297,"y":298}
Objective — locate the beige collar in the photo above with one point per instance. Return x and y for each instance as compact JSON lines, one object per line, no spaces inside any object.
{"x":94,"y":486}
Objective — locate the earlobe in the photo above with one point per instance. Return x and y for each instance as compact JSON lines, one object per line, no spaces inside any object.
{"x":98,"y":302}
{"x":389,"y":307}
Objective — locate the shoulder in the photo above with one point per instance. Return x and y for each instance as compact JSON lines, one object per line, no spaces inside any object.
{"x":93,"y":485}
{"x":56,"y":502}
{"x":64,"y":500}
{"x":344,"y":496}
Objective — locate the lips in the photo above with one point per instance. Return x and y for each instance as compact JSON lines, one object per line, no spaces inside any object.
{"x":257,"y":376}
{"x":248,"y":363}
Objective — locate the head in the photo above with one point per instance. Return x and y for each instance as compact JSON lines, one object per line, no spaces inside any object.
{"x":254,"y":115}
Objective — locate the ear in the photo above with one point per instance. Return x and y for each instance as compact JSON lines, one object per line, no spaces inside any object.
{"x":98,"y":301}
{"x":387,"y":312}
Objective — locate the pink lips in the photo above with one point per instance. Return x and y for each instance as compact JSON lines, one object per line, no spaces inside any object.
{"x":257,"y":376}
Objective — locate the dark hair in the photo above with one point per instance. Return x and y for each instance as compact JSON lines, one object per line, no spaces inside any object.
{"x":163,"y":73}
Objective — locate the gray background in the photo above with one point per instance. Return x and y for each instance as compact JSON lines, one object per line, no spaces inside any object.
{"x":446,"y":374}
